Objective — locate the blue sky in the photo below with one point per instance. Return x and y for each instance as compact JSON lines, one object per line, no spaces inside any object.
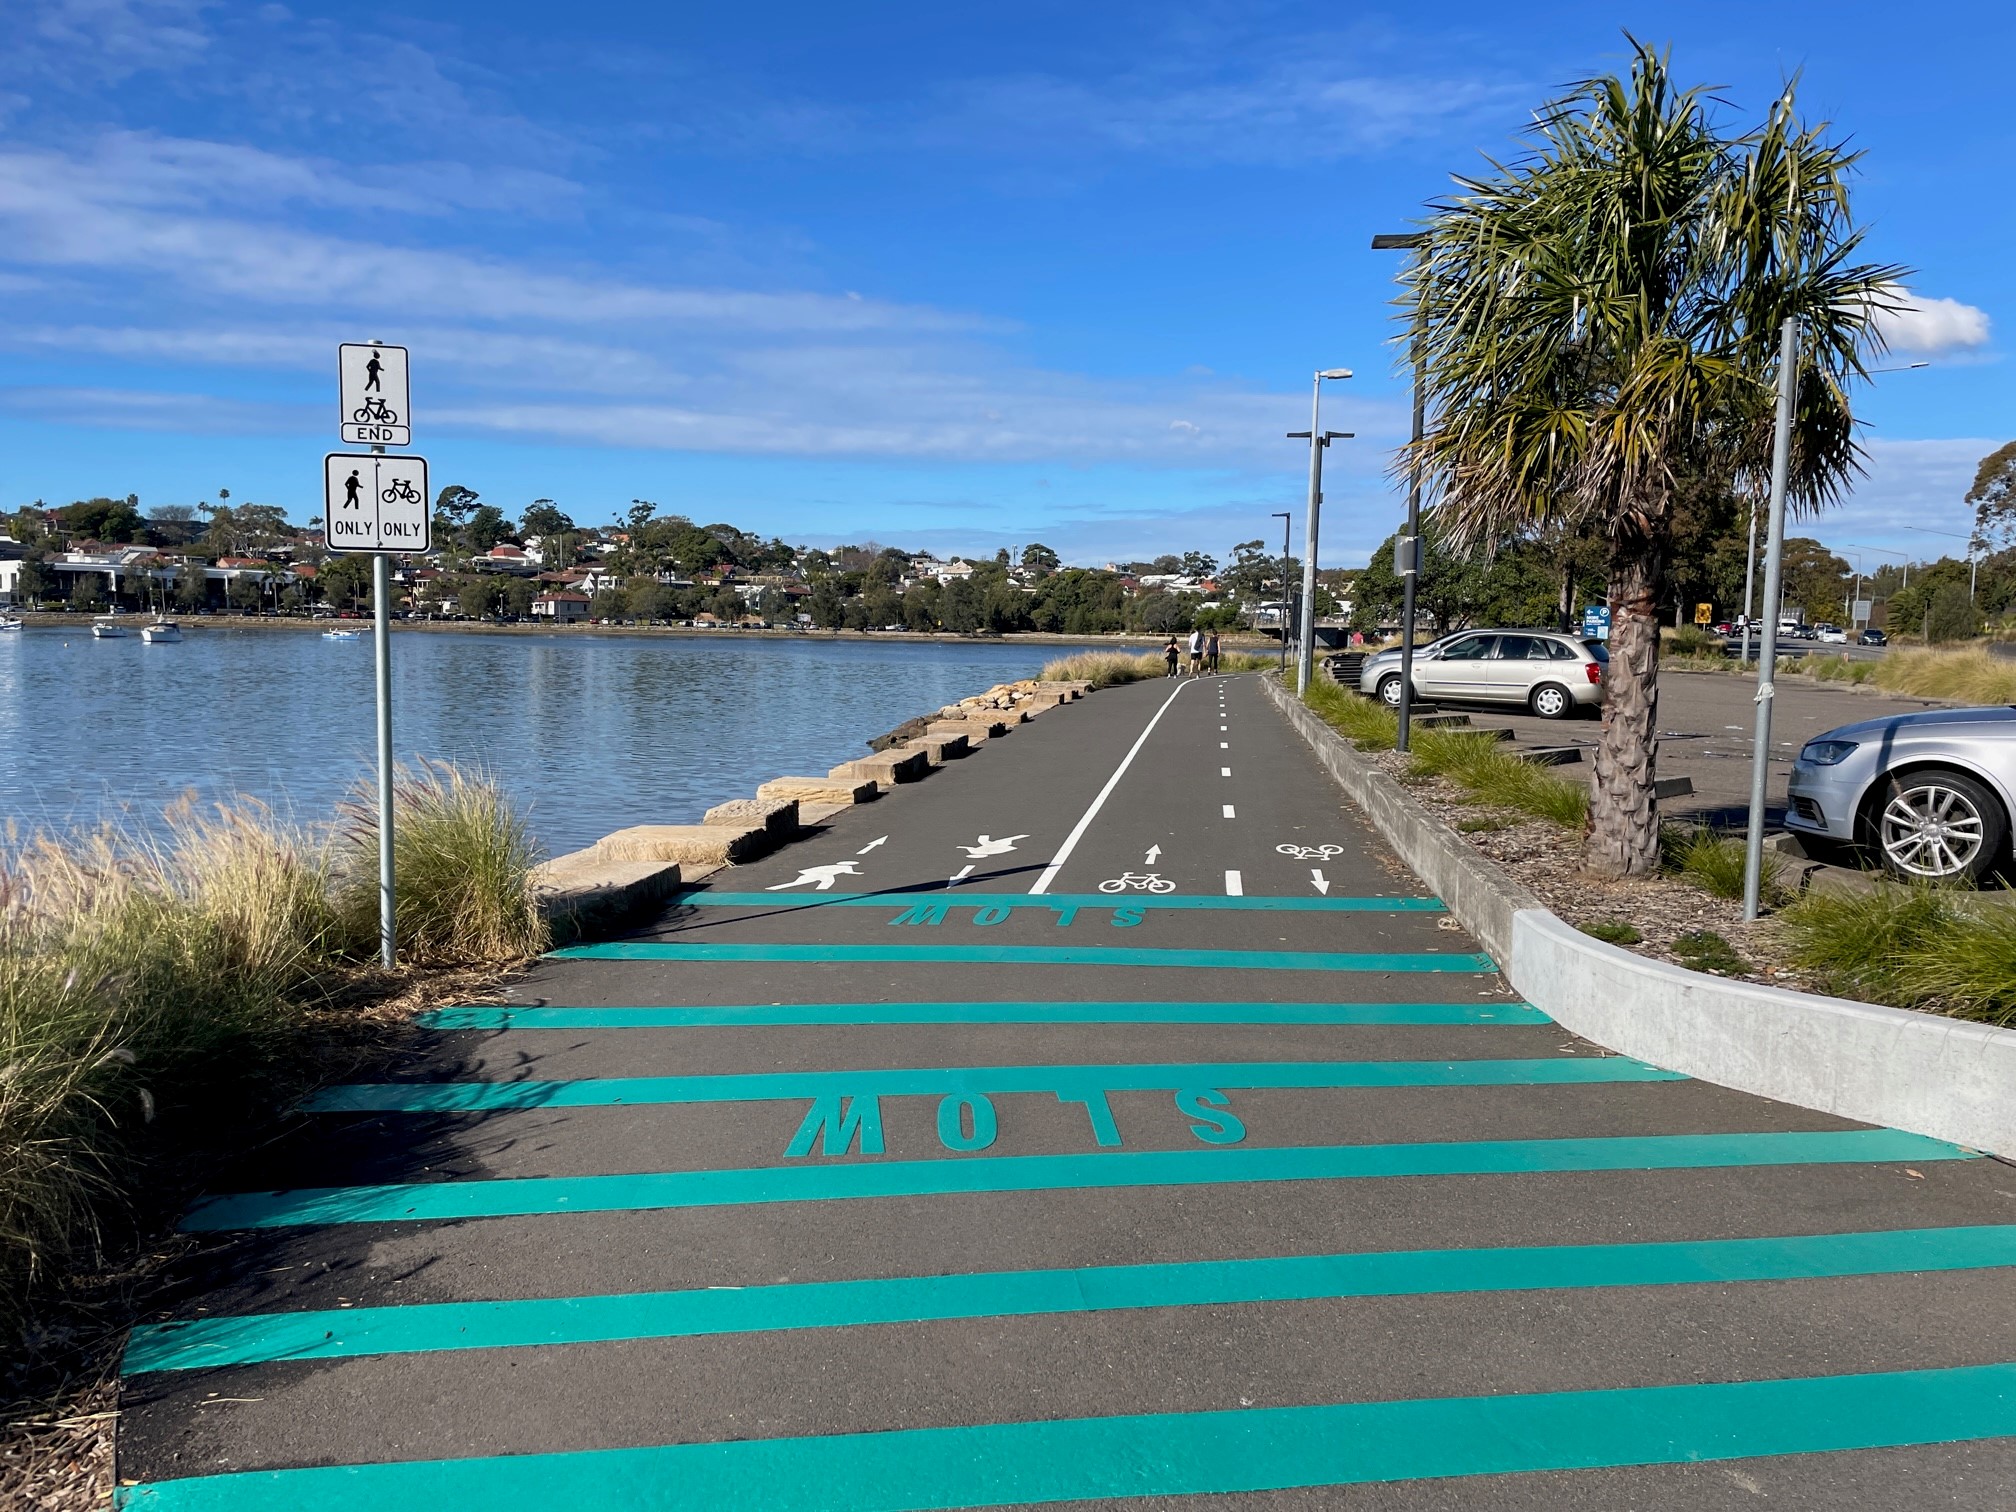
{"x":945,"y":276}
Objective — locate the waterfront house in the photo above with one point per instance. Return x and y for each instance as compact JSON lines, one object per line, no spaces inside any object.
{"x":562,"y":608}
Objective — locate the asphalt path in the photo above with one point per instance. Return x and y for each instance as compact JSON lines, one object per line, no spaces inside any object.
{"x":1109,"y":1120}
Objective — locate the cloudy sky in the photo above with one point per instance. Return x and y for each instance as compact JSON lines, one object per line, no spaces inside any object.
{"x":948,"y":276}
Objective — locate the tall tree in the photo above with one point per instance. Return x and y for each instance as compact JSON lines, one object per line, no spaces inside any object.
{"x":1994,"y":495}
{"x":1600,"y":320}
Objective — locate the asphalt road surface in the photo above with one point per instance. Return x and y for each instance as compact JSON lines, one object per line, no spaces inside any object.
{"x":1108,"y":1121}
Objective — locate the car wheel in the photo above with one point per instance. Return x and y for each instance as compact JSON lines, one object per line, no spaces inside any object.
{"x":1550,"y":701}
{"x":1938,"y":825}
{"x":1389,"y":690}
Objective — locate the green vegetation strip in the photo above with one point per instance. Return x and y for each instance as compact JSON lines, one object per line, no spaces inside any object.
{"x":1164,"y":1454}
{"x":615,"y":1091}
{"x":844,"y":1181}
{"x":1057,"y":902}
{"x":1032,"y":955}
{"x":199,"y":1343}
{"x":504,"y":1016}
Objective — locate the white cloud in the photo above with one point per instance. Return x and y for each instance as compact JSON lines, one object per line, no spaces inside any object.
{"x":1919,"y":324}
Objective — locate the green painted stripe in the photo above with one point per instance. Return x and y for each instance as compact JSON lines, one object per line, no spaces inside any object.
{"x":199,"y":1343}
{"x":778,"y":1086}
{"x":841,"y":1181}
{"x":500,"y":1016}
{"x":1031,"y":955}
{"x":1052,"y":902}
{"x":1163,"y":1454}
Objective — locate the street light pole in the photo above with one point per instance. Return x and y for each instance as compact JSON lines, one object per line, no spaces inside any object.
{"x":1318,"y":439}
{"x":1973,"y":567}
{"x":1285,"y":517}
{"x":1410,"y":562}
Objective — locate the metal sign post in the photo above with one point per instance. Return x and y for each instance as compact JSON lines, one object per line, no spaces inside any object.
{"x":378,"y":503}
{"x":1767,"y":659}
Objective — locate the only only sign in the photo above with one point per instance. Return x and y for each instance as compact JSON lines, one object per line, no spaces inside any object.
{"x":374,"y":502}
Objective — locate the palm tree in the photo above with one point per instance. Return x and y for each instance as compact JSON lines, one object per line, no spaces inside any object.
{"x":1599,"y":321}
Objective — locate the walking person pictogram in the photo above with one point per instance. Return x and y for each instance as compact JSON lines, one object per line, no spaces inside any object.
{"x":373,"y":371}
{"x":352,"y":487}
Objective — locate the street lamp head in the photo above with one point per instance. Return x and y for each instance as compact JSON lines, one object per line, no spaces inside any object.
{"x":1398,"y":241}
{"x":1335,"y":373}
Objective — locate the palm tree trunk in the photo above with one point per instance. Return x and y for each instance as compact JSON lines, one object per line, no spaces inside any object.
{"x":1623,"y":838}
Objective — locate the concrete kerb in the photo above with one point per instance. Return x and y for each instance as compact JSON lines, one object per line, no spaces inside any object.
{"x":1921,"y":1072}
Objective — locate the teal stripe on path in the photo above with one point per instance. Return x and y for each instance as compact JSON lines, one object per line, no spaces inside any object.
{"x":614,"y":1091}
{"x":1163,"y":1454}
{"x":505,"y":1016}
{"x":1030,"y":955}
{"x":499,"y":1197}
{"x":1053,"y":902}
{"x":346,"y":1333}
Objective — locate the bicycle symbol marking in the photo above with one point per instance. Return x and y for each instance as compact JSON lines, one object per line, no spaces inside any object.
{"x":1138,"y":882}
{"x":399,"y":491}
{"x":1310,"y":852}
{"x":375,"y":411}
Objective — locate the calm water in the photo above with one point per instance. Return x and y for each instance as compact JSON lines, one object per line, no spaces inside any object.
{"x":586,"y":734}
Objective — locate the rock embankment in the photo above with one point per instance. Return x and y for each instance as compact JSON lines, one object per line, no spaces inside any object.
{"x":634,"y":870}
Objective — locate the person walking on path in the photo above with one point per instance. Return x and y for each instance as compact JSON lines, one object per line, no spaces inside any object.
{"x":1196,"y":652}
{"x":1169,"y":654}
{"x":1211,"y":654}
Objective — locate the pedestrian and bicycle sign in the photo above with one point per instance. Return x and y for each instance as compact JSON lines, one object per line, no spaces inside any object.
{"x":375,"y":502}
{"x":375,"y":404}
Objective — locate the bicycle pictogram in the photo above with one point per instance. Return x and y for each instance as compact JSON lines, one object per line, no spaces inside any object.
{"x":375,"y":411}
{"x":399,"y":491}
{"x":1139,"y":882}
{"x":1310,"y":852}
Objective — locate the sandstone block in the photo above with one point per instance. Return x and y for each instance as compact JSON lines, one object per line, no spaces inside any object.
{"x":888,"y":768}
{"x":582,"y":895}
{"x":939,"y":748}
{"x":820,"y":790}
{"x":777,"y":815}
{"x":693,"y":844}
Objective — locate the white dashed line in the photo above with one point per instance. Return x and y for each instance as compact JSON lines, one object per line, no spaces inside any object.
{"x":1224,"y":771}
{"x":1235,"y":886}
{"x":1228,"y":812}
{"x":1224,"y":745}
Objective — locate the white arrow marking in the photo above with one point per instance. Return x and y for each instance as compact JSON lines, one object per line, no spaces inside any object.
{"x":1322,"y":883}
{"x":988,"y":847}
{"x":821,"y":877}
{"x":962,"y":873}
{"x":1153,"y":852}
{"x":871,"y":845}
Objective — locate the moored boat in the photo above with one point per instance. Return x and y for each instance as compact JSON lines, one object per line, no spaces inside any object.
{"x":109,"y":627}
{"x":161,"y":632}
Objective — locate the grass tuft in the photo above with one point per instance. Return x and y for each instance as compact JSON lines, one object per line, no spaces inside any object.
{"x":1479,"y":764}
{"x":1714,"y":862}
{"x":1970,"y":676}
{"x":156,"y":993}
{"x":1917,"y":946}
{"x":1367,"y":725}
{"x":1705,"y":950}
{"x":1105,"y":669}
{"x":1611,"y":931}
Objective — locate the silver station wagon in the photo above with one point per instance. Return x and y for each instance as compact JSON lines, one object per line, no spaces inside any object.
{"x":1549,"y":672}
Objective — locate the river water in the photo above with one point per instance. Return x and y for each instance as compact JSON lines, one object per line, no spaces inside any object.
{"x":585,"y":733}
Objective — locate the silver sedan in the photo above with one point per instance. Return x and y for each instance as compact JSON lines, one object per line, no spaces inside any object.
{"x":1931,"y":793}
{"x":1551,"y":673}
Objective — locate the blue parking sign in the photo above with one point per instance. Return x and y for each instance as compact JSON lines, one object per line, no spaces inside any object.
{"x":1596,"y":622}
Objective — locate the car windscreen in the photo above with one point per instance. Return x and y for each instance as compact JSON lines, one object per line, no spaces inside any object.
{"x":1598,"y":649}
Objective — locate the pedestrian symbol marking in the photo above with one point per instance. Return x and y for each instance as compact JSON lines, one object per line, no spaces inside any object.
{"x":988,"y":847}
{"x":375,"y":405}
{"x":373,"y":502}
{"x":820,"y":877}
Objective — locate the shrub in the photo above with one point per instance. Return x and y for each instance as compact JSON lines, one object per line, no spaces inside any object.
{"x":1971,"y":676}
{"x":1367,"y":725}
{"x":1105,"y":669}
{"x":1692,"y":640}
{"x":1715,"y":863}
{"x":1478,"y":763}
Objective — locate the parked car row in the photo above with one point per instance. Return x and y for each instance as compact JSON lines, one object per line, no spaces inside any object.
{"x":1931,"y":795}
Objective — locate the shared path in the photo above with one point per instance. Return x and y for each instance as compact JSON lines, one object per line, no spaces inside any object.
{"x":1110,"y":1121}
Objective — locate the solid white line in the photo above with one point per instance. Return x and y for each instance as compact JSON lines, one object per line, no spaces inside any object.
{"x":1235,"y":886}
{"x":1228,"y":812}
{"x":1084,"y":822}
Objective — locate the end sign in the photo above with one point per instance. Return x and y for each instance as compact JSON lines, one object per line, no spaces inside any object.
{"x":375,"y":502}
{"x":375,"y":400}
